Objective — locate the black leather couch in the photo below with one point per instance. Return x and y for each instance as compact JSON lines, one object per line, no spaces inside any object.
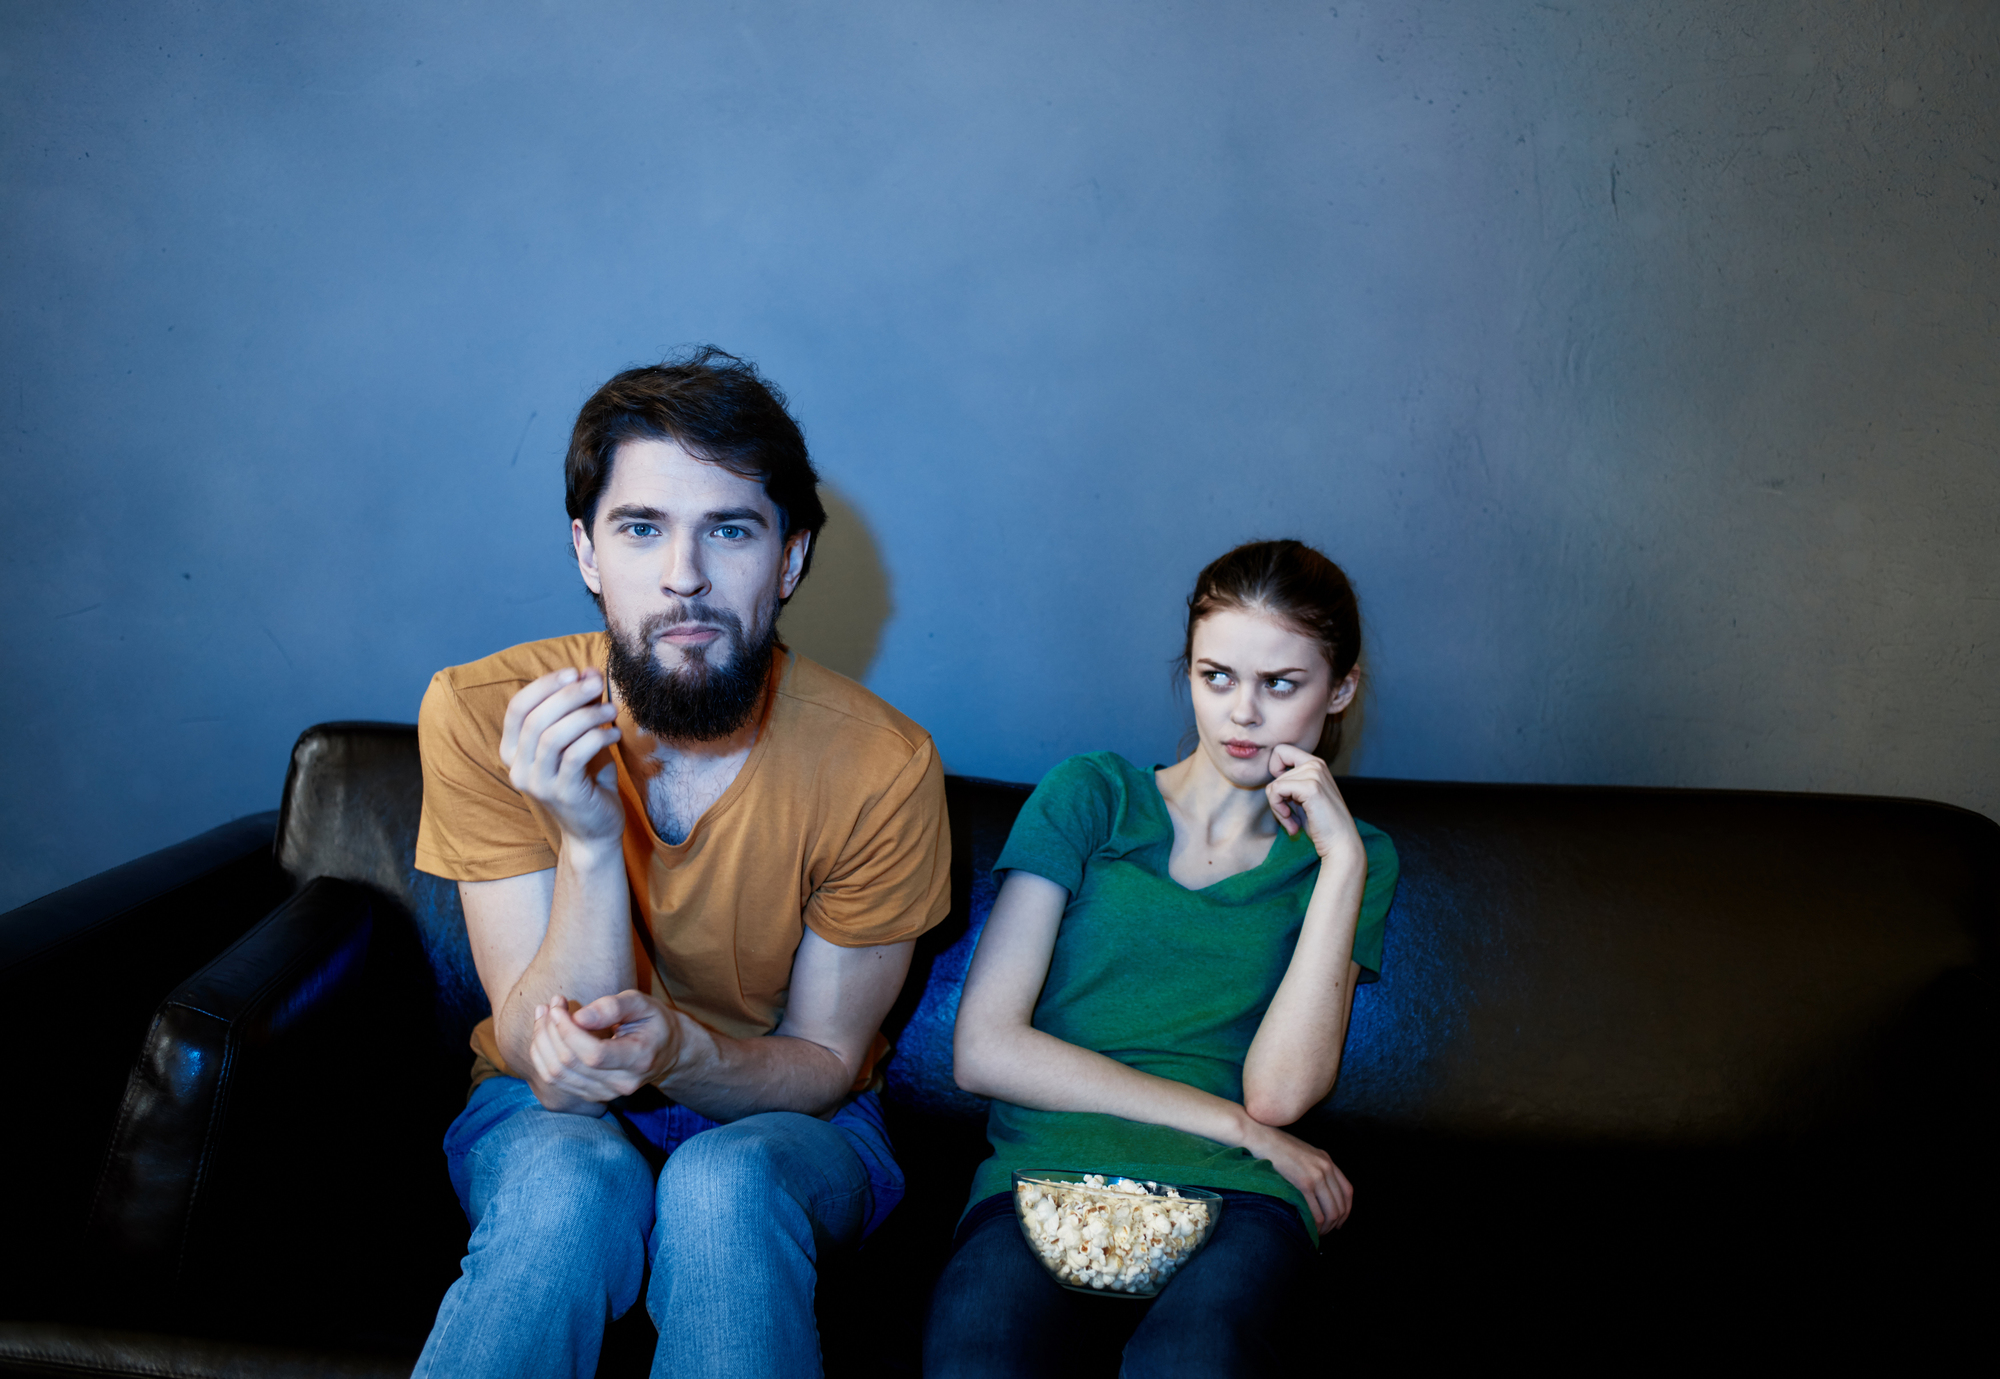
{"x":1649,"y":1074}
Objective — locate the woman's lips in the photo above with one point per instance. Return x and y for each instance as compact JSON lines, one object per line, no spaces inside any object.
{"x":1242,"y":750}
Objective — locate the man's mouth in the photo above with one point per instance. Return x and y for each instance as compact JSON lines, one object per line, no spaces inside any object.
{"x":1241,"y":750}
{"x":683,"y":634}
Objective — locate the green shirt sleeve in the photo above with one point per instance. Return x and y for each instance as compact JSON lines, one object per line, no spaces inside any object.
{"x":1376,"y":896}
{"x":1067,"y":819}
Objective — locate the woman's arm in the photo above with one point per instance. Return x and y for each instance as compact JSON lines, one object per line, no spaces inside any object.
{"x":998,"y":1052}
{"x":1295,"y":1057}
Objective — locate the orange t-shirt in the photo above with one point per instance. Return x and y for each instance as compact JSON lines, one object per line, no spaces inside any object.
{"x":836,"y":822}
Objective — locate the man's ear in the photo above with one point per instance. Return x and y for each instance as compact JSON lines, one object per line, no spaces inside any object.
{"x":1343,"y":693}
{"x":796,"y":547}
{"x":586,"y":556}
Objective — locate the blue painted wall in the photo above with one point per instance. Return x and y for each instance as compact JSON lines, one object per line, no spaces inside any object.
{"x":1640,"y":361}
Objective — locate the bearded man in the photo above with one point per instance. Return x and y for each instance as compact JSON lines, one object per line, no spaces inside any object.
{"x":693,"y":866}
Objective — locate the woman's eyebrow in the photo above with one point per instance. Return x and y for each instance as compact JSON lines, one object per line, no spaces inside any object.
{"x":1289,"y":673}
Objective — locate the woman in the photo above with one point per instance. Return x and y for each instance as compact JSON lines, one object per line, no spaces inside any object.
{"x":1166,"y":979}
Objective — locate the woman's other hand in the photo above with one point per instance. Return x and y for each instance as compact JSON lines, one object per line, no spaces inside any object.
{"x":1309,"y":1169}
{"x":1304,"y":795}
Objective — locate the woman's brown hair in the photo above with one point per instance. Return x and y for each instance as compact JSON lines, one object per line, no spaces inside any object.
{"x":1294,"y":583}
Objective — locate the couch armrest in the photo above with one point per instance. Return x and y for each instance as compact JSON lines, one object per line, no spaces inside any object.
{"x":109,"y":948}
{"x":270,"y":1138}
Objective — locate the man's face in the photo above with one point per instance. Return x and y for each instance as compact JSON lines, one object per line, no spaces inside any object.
{"x":690,"y":564}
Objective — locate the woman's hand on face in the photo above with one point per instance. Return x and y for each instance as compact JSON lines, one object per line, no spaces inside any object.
{"x":1304,"y":796}
{"x":1309,"y":1169}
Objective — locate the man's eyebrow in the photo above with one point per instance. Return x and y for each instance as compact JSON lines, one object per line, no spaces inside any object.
{"x":630,"y":512}
{"x":642,"y":512}
{"x":710,"y":519}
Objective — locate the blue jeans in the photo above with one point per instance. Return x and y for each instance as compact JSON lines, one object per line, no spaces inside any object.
{"x":566,"y":1216}
{"x":996,"y":1311}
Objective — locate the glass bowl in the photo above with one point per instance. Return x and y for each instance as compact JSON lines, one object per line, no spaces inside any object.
{"x":1098,"y":1233}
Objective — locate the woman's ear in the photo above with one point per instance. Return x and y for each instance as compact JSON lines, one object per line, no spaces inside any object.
{"x":1343,"y":693}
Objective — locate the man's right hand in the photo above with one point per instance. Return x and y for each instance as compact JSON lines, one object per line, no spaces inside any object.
{"x":607,"y":1049}
{"x":553,"y":729}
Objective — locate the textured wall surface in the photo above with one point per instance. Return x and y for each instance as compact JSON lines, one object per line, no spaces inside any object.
{"x":1641,"y":361}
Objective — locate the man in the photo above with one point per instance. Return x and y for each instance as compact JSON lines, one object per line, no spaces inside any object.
{"x":693,"y":868}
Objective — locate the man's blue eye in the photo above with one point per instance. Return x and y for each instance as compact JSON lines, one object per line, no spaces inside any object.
{"x":644,"y":529}
{"x":731,"y":533}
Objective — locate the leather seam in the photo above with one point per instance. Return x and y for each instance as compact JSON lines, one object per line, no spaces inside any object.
{"x":211,"y":1139}
{"x":125,"y":1113}
{"x":92,"y":1366}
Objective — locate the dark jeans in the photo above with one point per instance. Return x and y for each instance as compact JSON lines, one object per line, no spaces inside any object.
{"x":997,"y":1312}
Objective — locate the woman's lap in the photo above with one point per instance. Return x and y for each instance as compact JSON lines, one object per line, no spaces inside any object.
{"x":997,"y":1312}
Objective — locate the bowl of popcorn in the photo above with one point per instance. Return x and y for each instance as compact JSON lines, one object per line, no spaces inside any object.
{"x":1112,"y":1235}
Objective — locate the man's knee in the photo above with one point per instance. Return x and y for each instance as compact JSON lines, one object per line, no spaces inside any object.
{"x":745,"y":1165}
{"x":569,"y":1174}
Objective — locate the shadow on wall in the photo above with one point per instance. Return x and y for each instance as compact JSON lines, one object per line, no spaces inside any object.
{"x":837,"y":615}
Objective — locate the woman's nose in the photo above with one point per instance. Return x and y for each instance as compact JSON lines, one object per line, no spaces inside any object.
{"x":1243,"y":712}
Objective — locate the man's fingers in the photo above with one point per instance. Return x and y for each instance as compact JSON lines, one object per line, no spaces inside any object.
{"x":525,"y":701}
{"x":617,"y":1009}
{"x":576,"y":757}
{"x":535,"y":746}
{"x":549,"y":730}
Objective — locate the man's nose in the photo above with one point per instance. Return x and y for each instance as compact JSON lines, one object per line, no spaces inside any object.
{"x":684,"y":575}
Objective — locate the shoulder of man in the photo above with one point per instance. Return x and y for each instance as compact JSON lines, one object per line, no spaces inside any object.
{"x":835,"y":713}
{"x":478,"y":691}
{"x":518,"y":665}
{"x":475,"y":826}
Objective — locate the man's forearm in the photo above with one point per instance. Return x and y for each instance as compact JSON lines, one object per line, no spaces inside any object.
{"x":727,"y":1079}
{"x":585,"y":953}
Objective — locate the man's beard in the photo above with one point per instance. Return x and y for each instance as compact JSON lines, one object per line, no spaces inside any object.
{"x":697,"y":702}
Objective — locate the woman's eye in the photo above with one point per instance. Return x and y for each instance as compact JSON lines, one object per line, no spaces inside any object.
{"x":1217,"y":679}
{"x":1280,"y":686}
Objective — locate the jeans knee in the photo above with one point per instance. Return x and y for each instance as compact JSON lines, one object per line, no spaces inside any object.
{"x":578,"y":1177}
{"x":732,"y":1168}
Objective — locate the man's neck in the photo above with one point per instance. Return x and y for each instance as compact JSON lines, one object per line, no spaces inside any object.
{"x":679,"y":780}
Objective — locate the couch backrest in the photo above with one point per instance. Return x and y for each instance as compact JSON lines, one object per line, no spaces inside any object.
{"x":1668,"y":965}
{"x":1561,"y":962}
{"x":352,"y":799}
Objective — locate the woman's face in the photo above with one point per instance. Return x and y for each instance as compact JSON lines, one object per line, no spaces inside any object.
{"x":1257,"y":682}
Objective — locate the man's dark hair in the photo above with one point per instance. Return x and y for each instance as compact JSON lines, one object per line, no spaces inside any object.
{"x":716,"y":407}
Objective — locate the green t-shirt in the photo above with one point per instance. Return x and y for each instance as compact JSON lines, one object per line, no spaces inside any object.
{"x":1164,"y":979}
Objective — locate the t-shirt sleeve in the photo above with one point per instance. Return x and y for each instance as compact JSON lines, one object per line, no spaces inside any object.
{"x":1377,"y":893}
{"x":475,"y":826}
{"x":893,"y":878}
{"x":1063,"y":823}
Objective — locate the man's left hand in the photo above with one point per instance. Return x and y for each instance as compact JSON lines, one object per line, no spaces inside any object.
{"x":605,"y":1050}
